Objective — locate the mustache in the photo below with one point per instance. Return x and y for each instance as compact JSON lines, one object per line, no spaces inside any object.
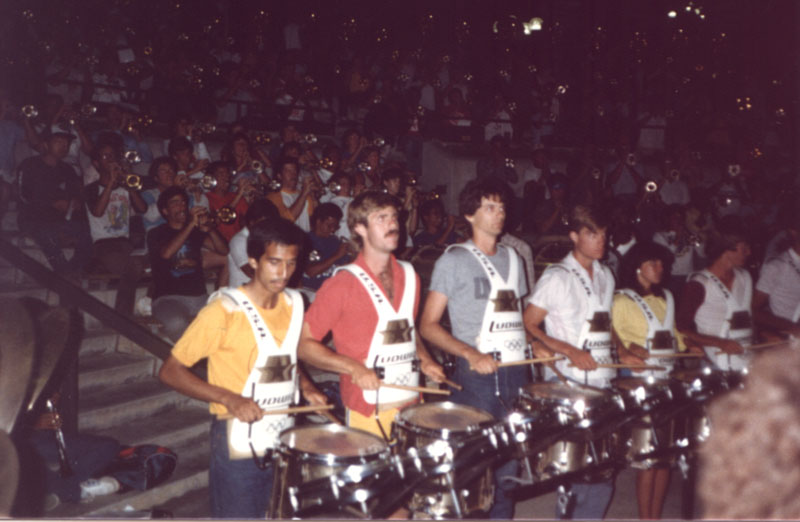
{"x":392,"y":233}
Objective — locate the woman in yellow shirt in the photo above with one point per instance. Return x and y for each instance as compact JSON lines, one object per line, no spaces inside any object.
{"x":643,"y":317}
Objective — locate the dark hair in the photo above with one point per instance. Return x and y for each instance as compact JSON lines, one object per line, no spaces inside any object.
{"x":639,"y":253}
{"x":469,"y":201}
{"x":153,"y":170}
{"x":729,"y":233}
{"x":325,"y":211}
{"x":584,"y":216}
{"x":212,"y":168}
{"x":261,"y":209}
{"x":291,"y":145}
{"x":168,"y":194}
{"x":108,"y":139}
{"x":285,"y":160}
{"x":179,"y":144}
{"x":392,"y":173}
{"x":428,"y":206}
{"x":280,"y":231}
{"x":226,"y":154}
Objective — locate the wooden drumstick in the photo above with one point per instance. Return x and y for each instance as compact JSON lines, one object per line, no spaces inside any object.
{"x":629,"y":366}
{"x":453,"y":384}
{"x":760,"y":346}
{"x":434,"y":391}
{"x":285,"y":411}
{"x":676,"y":355}
{"x":331,"y":417}
{"x":530,"y":361}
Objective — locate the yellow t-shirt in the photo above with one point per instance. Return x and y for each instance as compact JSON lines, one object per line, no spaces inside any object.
{"x":224,"y":335}
{"x":630,"y":323}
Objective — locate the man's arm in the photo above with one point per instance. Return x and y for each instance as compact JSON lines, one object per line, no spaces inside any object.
{"x":533,"y":318}
{"x":314,"y":269}
{"x":175,"y":244}
{"x":692,"y":297}
{"x":428,"y":364}
{"x":764,"y":318}
{"x":433,"y":332}
{"x":174,"y":374}
{"x":317,"y":354}
{"x":297,"y":207}
{"x":215,"y":242}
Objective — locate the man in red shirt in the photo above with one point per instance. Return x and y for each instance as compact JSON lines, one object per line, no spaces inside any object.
{"x":370,"y":306}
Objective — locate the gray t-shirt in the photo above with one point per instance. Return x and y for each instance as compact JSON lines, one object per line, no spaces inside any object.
{"x":459,"y":275}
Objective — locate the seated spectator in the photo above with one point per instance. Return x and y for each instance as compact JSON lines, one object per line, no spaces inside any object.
{"x":175,"y":247}
{"x":51,"y":206}
{"x":240,"y":270}
{"x":219,"y":197}
{"x":434,"y":229}
{"x":330,"y":249}
{"x":162,"y":171}
{"x":293,"y":204}
{"x":110,"y":203}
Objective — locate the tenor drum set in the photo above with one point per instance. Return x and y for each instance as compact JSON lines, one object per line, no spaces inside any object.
{"x":441,"y":457}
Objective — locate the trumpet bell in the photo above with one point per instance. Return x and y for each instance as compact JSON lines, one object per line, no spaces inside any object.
{"x":133,"y":181}
{"x":132,"y":157}
{"x":29,"y":111}
{"x":257,"y":166}
{"x":225,"y":215}
{"x":208,"y":182}
{"x":651,"y":186}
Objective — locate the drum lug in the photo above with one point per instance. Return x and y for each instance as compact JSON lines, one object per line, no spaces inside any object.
{"x":683,"y":465}
{"x":415,"y":365}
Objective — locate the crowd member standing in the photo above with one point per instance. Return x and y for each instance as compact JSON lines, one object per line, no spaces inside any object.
{"x":247,"y":370}
{"x":293,"y":204}
{"x":643,"y":317}
{"x":715,"y":308}
{"x":179,"y":284}
{"x":110,"y":202}
{"x":370,"y":306}
{"x":480,"y":283}
{"x":573,"y":300}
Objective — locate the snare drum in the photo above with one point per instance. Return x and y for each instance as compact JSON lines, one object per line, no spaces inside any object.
{"x":651,"y":437}
{"x":311,"y":452}
{"x":580,"y":424}
{"x":444,"y":423}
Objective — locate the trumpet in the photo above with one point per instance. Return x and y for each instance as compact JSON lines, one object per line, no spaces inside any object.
{"x":225,"y":215}
{"x":631,"y":159}
{"x":326,"y":163}
{"x":88,"y":110}
{"x":314,"y":256}
{"x":596,"y":173}
{"x":309,"y":139}
{"x":262,"y":138}
{"x":734,"y":170}
{"x":257,"y":166}
{"x":651,"y":186}
{"x":428,"y":196}
{"x":132,"y":157}
{"x":509,"y":162}
{"x":133,"y":182}
{"x":29,"y":111}
{"x":364,"y":167}
{"x":333,"y":186}
{"x":208,"y":182}
{"x":379,"y":142}
{"x":674,"y":174}
{"x":262,"y":189}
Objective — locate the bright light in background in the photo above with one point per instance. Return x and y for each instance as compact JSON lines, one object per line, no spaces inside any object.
{"x":672,"y":14}
{"x":535,"y":24}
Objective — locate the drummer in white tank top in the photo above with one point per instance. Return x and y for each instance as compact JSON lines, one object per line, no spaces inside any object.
{"x":702,"y":312}
{"x":776,"y":301}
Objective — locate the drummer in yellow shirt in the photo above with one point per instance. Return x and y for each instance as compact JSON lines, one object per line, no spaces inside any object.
{"x":643,"y":318}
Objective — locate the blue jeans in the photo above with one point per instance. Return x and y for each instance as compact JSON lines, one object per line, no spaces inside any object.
{"x":237,"y":488}
{"x":480,"y":392}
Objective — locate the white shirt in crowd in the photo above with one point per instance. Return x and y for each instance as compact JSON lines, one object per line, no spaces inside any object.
{"x":780,"y":280}
{"x":237,"y":257}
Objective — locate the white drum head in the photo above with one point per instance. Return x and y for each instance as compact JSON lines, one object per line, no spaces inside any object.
{"x":334,"y":440}
{"x":444,"y":415}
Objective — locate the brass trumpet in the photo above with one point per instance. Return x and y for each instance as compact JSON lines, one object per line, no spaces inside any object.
{"x":596,"y":173}
{"x":364,"y":167}
{"x":734,"y":170}
{"x":314,"y":256}
{"x":651,"y":186}
{"x":208,"y":182}
{"x":379,"y":142}
{"x":333,"y":186}
{"x":257,"y":166}
{"x":674,"y":174}
{"x":326,"y":163}
{"x":225,"y":215}
{"x":133,"y":182}
{"x":509,"y":162}
{"x":309,"y":139}
{"x":29,"y":111}
{"x":132,"y":157}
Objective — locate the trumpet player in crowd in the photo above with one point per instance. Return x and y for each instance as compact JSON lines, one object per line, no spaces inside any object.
{"x":162,"y":171}
{"x":340,"y":193}
{"x":295,"y":200}
{"x":110,"y":201}
{"x":184,"y":127}
{"x":245,"y":160}
{"x":188,"y":171}
{"x":176,"y":257}
{"x":220,"y":197}
{"x":686,"y":247}
{"x":328,"y":251}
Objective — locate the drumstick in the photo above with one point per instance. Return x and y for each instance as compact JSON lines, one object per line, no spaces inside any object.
{"x":629,"y":366}
{"x":453,"y":384}
{"x":530,"y":361}
{"x":673,"y":355}
{"x":296,"y":409}
{"x":759,"y":346}
{"x":435,"y":391}
{"x":331,"y":417}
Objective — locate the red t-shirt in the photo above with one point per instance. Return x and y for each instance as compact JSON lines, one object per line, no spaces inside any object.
{"x":342,"y":306}
{"x":216,"y":202}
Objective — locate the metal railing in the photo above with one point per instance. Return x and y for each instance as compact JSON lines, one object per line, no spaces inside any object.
{"x":72,"y":295}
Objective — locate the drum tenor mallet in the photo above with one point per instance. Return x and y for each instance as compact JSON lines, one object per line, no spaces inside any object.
{"x":453,"y":384}
{"x":530,"y":361}
{"x":434,"y":391}
{"x":282,"y":411}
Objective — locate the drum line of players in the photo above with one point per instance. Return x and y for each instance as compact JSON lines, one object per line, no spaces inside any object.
{"x":254,"y":335}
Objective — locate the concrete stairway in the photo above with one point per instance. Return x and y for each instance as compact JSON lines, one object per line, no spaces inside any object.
{"x":121,"y":397}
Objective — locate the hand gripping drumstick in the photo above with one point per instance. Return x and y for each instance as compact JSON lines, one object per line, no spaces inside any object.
{"x":434,"y":391}
{"x":296,"y":409}
{"x":530,"y":361}
{"x":453,"y":384}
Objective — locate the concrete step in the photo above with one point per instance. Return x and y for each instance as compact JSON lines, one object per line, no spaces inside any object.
{"x":28,"y":290}
{"x":190,"y":474}
{"x":9,"y":221}
{"x":127,"y":404}
{"x":170,"y":428}
{"x":100,"y":341}
{"x":103,"y":370}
